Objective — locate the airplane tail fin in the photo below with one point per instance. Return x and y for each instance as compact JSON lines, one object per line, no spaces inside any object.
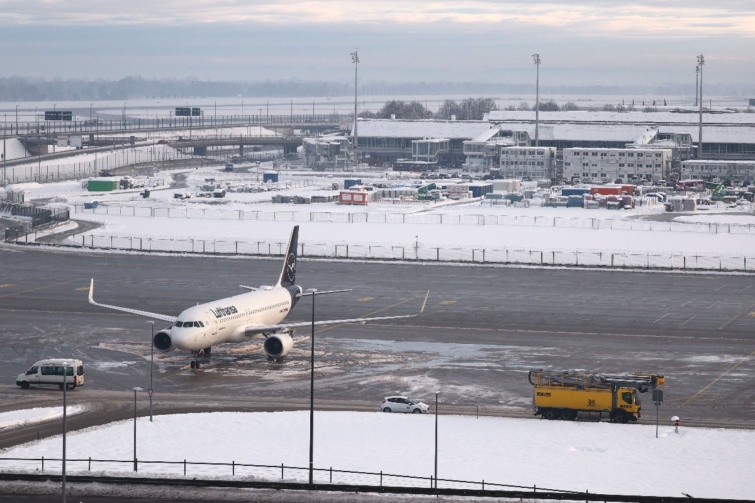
{"x":288,"y":274}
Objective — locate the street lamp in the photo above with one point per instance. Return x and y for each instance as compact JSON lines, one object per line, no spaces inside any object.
{"x":536,"y":59}
{"x":355,"y":60}
{"x":137,"y":388}
{"x":436,"y":439}
{"x":151,"y":366}
{"x":312,"y":394}
{"x":63,"y":469}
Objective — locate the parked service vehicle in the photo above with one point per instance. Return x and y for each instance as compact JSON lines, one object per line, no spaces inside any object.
{"x":403,"y":404}
{"x":50,"y":372}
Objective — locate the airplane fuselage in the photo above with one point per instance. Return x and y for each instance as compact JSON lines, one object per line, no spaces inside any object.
{"x":231,"y":319}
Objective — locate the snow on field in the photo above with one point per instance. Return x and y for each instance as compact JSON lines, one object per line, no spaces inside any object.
{"x":575,"y":456}
{"x":24,"y":417}
{"x":250,"y":216}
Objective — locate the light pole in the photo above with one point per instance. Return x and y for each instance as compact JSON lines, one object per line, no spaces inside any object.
{"x":137,"y":388}
{"x":124,"y":115}
{"x":90,"y":111}
{"x":63,"y":469}
{"x":151,"y":365}
{"x":697,"y":82}
{"x":436,"y":439}
{"x":355,"y":60}
{"x":312,"y":394}
{"x":700,"y":63}
{"x":16,"y":119}
{"x":536,"y":59}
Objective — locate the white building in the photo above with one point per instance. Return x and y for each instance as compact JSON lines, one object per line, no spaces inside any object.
{"x":597,"y":165}
{"x":483,"y":152}
{"x":532,"y":162}
{"x":716,"y":171}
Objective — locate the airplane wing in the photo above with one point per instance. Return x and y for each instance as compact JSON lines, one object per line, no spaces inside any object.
{"x":146,"y":314}
{"x":254,"y":329}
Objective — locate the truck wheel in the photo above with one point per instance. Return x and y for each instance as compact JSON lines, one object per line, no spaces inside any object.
{"x":550,"y":414}
{"x":25,"y":384}
{"x":619,"y":416}
{"x":568,"y":415}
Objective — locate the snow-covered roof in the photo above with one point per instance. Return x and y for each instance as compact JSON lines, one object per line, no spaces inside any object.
{"x":645,"y":118}
{"x":628,"y":133}
{"x":417,"y":129}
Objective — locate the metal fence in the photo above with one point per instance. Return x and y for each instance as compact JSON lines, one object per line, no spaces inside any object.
{"x":268,"y":472}
{"x":417,"y":218}
{"x":505,"y":255}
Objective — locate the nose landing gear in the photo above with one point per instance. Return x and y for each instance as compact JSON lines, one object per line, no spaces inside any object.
{"x":195,"y":363}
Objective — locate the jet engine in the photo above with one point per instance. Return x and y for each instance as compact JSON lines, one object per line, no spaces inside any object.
{"x":162,"y":341}
{"x":278,"y":345}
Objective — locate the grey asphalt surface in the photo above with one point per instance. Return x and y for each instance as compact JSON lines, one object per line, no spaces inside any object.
{"x":483,"y":329}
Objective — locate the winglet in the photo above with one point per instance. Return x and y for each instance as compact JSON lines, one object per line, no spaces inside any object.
{"x":91,"y":292}
{"x":422,"y":310}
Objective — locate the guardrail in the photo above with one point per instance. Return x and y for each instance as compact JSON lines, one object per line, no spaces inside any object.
{"x":479,"y":489}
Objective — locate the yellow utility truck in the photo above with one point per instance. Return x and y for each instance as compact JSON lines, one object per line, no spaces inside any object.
{"x":563,"y":394}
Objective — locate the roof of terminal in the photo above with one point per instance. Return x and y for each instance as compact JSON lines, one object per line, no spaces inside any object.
{"x":626,"y":127}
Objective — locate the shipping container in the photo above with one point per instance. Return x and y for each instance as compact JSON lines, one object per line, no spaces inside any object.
{"x":270,"y":176}
{"x":103,"y":184}
{"x":351,"y":182}
{"x":572,"y":191}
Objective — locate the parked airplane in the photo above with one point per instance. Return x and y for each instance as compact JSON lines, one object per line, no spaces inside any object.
{"x":241,"y":317}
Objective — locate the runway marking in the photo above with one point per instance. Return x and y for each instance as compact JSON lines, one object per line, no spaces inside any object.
{"x":690,"y":319}
{"x":659,"y":319}
{"x":748,"y":310}
{"x":365,"y":299}
{"x":718,"y":378}
{"x":38,"y":288}
{"x":7,"y":285}
{"x":746,"y":288}
{"x":447,"y":302}
{"x":82,"y":288}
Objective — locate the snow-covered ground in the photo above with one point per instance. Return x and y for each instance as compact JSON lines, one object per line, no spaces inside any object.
{"x":573,"y":456}
{"x":579,"y":456}
{"x":417,"y":226}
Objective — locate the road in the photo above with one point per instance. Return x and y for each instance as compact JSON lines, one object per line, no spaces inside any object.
{"x":483,"y":329}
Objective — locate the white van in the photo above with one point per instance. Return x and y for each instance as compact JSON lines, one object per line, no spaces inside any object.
{"x":51,"y":372}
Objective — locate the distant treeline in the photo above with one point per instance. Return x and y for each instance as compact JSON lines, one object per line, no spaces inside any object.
{"x":29,"y":89}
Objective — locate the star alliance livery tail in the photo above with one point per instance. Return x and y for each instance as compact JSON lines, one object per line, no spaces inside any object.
{"x":288,"y":274}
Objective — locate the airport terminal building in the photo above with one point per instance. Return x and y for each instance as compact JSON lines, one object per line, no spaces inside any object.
{"x":665,"y":140}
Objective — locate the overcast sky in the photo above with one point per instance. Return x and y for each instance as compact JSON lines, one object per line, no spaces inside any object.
{"x":608,"y":42}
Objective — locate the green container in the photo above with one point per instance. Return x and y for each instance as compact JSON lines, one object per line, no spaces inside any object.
{"x":100,"y":185}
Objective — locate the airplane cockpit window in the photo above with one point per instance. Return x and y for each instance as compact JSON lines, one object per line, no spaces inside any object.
{"x":198,"y":324}
{"x":179,"y":324}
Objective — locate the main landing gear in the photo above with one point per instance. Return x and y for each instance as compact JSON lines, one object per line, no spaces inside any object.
{"x":195,"y":363}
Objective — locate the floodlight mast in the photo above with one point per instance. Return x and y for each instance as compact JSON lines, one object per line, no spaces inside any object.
{"x":355,"y":60}
{"x":700,"y":63}
{"x":536,"y":59}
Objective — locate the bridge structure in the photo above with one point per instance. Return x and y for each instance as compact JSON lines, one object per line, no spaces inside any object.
{"x":290,"y":130}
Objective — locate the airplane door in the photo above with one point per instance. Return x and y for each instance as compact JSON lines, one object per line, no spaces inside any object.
{"x":214,"y":326}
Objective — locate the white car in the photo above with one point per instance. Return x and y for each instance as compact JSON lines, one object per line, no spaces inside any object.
{"x":404,"y":404}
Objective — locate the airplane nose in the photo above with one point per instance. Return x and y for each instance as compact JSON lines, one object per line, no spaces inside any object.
{"x":183,"y":338}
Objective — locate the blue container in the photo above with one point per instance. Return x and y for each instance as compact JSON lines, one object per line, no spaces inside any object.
{"x":575,"y":202}
{"x":351,"y":182}
{"x":271,"y":176}
{"x":480,"y":189}
{"x":567,"y":191}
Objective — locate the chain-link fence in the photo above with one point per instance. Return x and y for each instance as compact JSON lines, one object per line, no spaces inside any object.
{"x":415,"y":218}
{"x":421,"y":253}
